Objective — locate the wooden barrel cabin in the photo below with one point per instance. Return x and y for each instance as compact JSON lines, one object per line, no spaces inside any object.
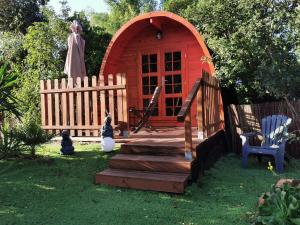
{"x":157,"y":49}
{"x":156,"y":61}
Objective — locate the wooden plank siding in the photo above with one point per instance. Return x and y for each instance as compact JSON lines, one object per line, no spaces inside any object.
{"x":81,"y":112}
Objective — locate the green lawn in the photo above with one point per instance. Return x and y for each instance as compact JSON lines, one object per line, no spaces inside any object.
{"x":60,"y":190}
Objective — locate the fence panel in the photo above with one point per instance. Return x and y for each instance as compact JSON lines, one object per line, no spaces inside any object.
{"x":247,"y":118}
{"x":80,"y":105}
{"x":212,"y":106}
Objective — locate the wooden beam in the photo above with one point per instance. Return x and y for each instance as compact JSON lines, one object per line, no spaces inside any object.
{"x":188,"y":136}
{"x":83,"y":89}
{"x":75,"y":127}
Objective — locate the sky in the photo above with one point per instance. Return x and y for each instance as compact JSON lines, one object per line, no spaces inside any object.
{"x":78,"y":5}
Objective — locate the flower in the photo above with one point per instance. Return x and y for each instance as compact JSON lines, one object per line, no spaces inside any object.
{"x":270,"y":167}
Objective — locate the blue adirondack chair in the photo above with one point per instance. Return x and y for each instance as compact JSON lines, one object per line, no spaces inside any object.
{"x":274,"y":130}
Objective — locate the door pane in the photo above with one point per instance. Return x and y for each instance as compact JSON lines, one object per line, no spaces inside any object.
{"x":168,"y":66}
{"x":168,"y":57}
{"x":177,"y":66}
{"x":153,"y":80}
{"x":153,"y":58}
{"x":176,"y":56}
{"x":153,"y":68}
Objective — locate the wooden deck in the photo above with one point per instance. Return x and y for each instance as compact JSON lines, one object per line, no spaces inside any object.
{"x":153,"y":160}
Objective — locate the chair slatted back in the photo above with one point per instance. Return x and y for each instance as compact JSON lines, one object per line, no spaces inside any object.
{"x":274,"y":128}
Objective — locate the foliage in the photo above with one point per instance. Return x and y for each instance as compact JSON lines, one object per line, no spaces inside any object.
{"x":281,"y":206}
{"x":10,"y":145}
{"x":253,"y":43}
{"x":17,"y":15}
{"x":121,"y":11}
{"x":177,"y":6}
{"x":11,"y":47}
{"x":45,"y":44}
{"x":32,"y":135}
{"x":8,"y":81}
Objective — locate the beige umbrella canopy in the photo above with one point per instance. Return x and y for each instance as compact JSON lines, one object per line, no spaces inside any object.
{"x":75,"y":66}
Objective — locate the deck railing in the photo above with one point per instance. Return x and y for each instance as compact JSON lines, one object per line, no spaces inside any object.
{"x":80,"y":106}
{"x":210,"y":116}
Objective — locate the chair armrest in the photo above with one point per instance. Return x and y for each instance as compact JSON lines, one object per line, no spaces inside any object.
{"x":245,"y":137}
{"x":250,"y":134}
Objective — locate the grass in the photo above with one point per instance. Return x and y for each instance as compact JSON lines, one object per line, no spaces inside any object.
{"x":60,"y":190}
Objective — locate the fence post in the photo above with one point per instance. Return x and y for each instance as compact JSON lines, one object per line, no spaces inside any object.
{"x":111,"y":99}
{"x":49,"y":103}
{"x":102,"y":99}
{"x":95,"y":106}
{"x":43,"y":105}
{"x":71,"y":106}
{"x":199,"y":113}
{"x":64,"y":102}
{"x":86,"y":107}
{"x":124,"y":95}
{"x":79,"y":107}
{"x":56,"y":105}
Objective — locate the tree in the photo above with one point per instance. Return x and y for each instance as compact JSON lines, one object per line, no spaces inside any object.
{"x":120,"y":12}
{"x":176,"y":6}
{"x":45,"y":45}
{"x":17,"y":15}
{"x":8,"y":81}
{"x":65,"y":9}
{"x":253,"y":43}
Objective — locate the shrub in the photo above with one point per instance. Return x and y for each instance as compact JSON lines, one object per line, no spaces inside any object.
{"x":10,"y":145}
{"x":32,"y":135}
{"x":281,"y":206}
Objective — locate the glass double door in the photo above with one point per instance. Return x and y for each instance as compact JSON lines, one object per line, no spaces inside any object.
{"x":162,"y":68}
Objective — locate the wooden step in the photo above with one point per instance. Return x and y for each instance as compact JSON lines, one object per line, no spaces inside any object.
{"x":167,"y":147}
{"x":171,"y":164}
{"x":153,"y":147}
{"x":154,"y":181}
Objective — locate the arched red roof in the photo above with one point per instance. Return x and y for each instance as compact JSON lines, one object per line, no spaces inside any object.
{"x":132,"y":27}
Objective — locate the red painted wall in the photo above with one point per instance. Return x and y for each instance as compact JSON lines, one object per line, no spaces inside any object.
{"x":124,"y":57}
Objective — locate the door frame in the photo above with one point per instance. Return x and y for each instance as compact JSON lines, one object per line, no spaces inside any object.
{"x":160,"y":51}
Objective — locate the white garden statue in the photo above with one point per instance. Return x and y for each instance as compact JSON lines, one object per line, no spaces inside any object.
{"x":107,"y":135}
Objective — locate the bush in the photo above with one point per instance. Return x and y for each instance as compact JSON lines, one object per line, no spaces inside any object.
{"x":10,"y":145}
{"x":281,"y":206}
{"x":32,"y":135}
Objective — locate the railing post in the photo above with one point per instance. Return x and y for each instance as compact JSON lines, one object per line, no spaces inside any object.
{"x":188,"y":136}
{"x":199,"y":113}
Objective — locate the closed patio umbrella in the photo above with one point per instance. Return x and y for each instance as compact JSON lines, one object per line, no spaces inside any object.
{"x":75,"y":66}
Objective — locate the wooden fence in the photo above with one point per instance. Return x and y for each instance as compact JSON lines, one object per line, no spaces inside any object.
{"x":80,"y":106}
{"x":247,"y":118}
{"x":213,"y":112}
